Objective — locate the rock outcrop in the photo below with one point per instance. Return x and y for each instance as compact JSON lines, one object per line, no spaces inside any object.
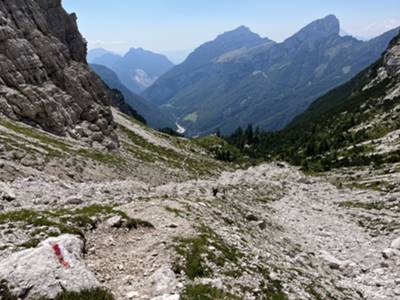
{"x":44,"y":77}
{"x":56,"y":265}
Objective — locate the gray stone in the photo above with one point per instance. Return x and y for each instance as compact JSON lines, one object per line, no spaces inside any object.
{"x":56,"y":265}
{"x":132,"y":295}
{"x":332,"y":262}
{"x":167,"y":297}
{"x":115,"y":221}
{"x":390,"y":253}
{"x":8,"y":195}
{"x":395,"y":244}
{"x":74,"y":201}
{"x":163,"y":280}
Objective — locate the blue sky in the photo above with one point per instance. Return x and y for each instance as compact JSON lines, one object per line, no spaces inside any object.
{"x":178,"y":26}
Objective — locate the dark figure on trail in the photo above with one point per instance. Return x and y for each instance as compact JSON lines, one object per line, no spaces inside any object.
{"x":215,"y":192}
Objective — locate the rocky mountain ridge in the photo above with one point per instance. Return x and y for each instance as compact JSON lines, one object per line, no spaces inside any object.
{"x":44,"y":77}
{"x":355,"y":124}
{"x":266,"y":84}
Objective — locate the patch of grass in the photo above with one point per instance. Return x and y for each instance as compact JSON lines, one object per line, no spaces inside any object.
{"x":220,"y":148}
{"x":74,"y":221}
{"x":377,"y":227}
{"x":177,"y":212}
{"x":362,"y":205}
{"x":151,"y":152}
{"x":206,"y":292}
{"x":206,"y":247}
{"x":273,"y":291}
{"x":93,"y":294}
{"x":56,"y":147}
{"x":5,"y":293}
{"x":191,"y":117}
{"x":373,"y":185}
{"x":32,"y":243}
{"x":35,"y":134}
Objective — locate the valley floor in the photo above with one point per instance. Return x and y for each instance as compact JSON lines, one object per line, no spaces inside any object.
{"x":268,"y":232}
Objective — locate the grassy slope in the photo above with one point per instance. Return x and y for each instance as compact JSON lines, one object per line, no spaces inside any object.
{"x":333,"y":132}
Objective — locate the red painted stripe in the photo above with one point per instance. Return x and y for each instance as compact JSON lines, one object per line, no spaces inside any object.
{"x":58,"y":253}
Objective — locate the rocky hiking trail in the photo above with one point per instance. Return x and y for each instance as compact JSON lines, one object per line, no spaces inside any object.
{"x":268,"y":232}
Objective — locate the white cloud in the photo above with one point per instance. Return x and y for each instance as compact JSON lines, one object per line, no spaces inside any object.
{"x":376,"y":28}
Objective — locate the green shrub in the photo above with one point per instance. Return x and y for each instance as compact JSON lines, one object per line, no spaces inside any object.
{"x":205,"y":292}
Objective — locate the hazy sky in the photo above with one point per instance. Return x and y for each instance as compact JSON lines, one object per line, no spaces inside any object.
{"x":170,"y":26}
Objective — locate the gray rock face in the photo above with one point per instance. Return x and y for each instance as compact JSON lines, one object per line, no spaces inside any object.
{"x":392,"y":57}
{"x":54,"y":266}
{"x":44,"y":77}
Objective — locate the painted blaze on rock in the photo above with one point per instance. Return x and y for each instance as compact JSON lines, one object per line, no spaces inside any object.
{"x":55,"y":266}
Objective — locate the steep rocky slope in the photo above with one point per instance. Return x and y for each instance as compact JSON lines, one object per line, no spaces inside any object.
{"x":356,"y":124}
{"x":44,"y":78}
{"x":263,"y":83}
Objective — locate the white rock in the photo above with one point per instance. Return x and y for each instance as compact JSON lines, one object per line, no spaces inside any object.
{"x":132,"y":295}
{"x":8,"y":195}
{"x":42,"y":272}
{"x":395,"y":244}
{"x":115,"y":221}
{"x":333,"y":262}
{"x":217,"y":283}
{"x":390,"y":253}
{"x":163,"y":280}
{"x":167,"y":297}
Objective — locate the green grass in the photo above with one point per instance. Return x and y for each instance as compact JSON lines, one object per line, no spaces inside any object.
{"x":196,"y":252}
{"x":5,"y":293}
{"x":175,"y":211}
{"x":191,"y":117}
{"x":35,"y":134}
{"x":75,"y":221}
{"x":205,"y":292}
{"x":93,"y":294}
{"x":55,"y":147}
{"x":220,"y":148}
{"x":147,"y":151}
{"x":274,"y":291}
{"x":363,"y":205}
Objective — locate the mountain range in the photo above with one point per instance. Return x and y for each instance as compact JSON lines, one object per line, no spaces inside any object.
{"x":355,"y":124}
{"x":94,"y":204}
{"x":152,"y":114}
{"x":240,"y":78}
{"x":137,"y":69}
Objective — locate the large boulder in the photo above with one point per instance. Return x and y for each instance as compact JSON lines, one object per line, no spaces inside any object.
{"x":56,"y":265}
{"x":395,"y":244}
{"x":163,"y":281}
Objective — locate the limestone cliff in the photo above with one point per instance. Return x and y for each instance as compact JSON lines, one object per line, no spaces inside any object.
{"x":44,"y":77}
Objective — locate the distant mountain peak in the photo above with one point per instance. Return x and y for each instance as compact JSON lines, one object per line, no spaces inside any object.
{"x":240,"y":32}
{"x":321,"y":28}
{"x":139,"y":49}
